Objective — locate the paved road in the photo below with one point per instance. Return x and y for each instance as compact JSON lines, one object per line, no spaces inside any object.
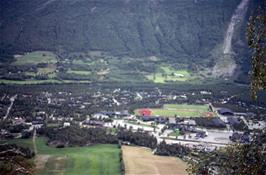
{"x":215,"y":138}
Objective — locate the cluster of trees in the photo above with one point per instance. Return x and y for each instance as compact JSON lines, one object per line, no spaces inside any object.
{"x":172,"y":150}
{"x":15,"y":160}
{"x":76,"y":136}
{"x":256,"y":35}
{"x":137,"y":138}
{"x":210,"y":122}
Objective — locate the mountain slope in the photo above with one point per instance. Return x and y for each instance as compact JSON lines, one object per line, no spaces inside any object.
{"x":180,"y":31}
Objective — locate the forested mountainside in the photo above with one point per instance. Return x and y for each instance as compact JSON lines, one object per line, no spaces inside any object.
{"x":177,"y":31}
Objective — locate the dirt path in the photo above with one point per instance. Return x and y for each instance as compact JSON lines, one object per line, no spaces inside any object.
{"x":141,"y":161}
{"x":34,"y":141}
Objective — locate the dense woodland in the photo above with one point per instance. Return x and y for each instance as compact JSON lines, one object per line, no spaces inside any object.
{"x":177,"y":150}
{"x":137,"y":138}
{"x":136,"y":35}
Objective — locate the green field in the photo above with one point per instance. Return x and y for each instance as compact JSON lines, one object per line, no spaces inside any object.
{"x":79,"y":72}
{"x":49,"y":81}
{"x":36,"y":58}
{"x":181,"y":110}
{"x":52,"y":81}
{"x":167,"y":73}
{"x":99,"y":159}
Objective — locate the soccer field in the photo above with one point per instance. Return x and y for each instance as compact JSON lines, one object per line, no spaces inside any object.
{"x":94,"y":160}
{"x":180,"y":110}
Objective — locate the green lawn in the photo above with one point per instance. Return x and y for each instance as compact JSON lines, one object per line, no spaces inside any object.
{"x":79,"y":72}
{"x":36,"y":57}
{"x":95,"y":160}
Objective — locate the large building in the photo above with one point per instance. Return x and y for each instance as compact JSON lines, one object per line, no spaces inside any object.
{"x":225,"y":112}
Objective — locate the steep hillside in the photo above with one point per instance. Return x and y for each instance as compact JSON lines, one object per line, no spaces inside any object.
{"x":179,"y":32}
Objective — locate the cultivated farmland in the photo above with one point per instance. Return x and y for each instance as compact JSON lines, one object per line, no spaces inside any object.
{"x":141,"y":161}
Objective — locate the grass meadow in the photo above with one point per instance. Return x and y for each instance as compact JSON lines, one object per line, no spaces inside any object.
{"x":102,"y":159}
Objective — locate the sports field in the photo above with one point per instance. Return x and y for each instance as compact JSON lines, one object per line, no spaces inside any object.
{"x":180,"y":110}
{"x":98,"y":159}
{"x":141,"y":161}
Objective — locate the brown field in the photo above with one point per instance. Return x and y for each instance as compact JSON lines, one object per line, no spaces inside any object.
{"x":40,"y":161}
{"x":141,"y":161}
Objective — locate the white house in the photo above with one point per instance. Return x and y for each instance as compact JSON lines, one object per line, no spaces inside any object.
{"x":66,"y":124}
